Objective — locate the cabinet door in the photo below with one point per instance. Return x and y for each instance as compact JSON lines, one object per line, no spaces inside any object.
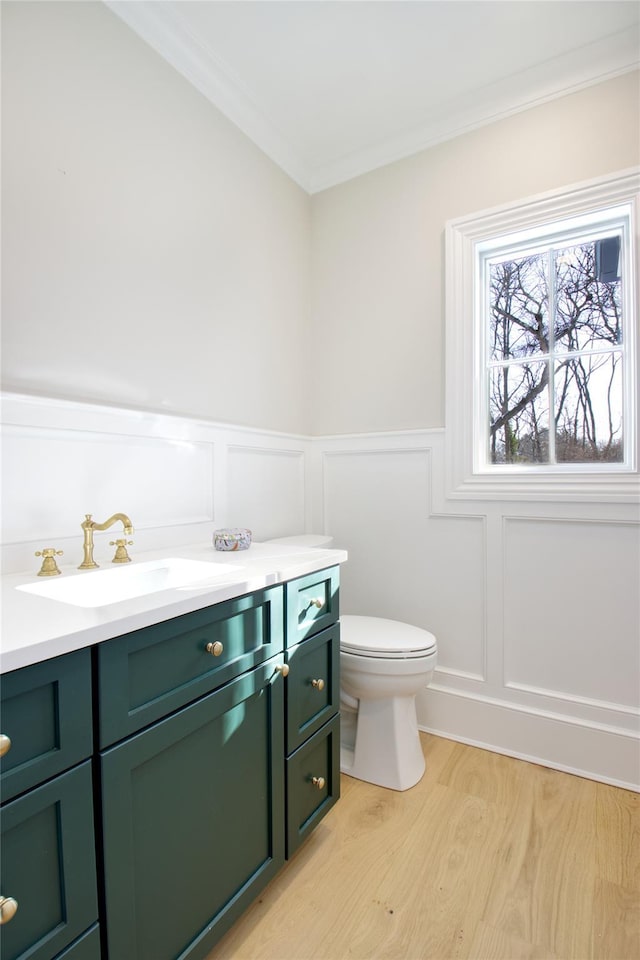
{"x":146,"y":674}
{"x":87,"y":947}
{"x":48,"y":866}
{"x":46,"y":713}
{"x":313,"y":685}
{"x":313,"y":783}
{"x":312,"y":604}
{"x":193,"y":820}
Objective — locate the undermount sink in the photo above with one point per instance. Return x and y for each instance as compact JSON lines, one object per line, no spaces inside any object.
{"x":98,"y":589}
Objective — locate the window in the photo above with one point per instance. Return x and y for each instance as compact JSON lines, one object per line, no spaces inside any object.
{"x":541,"y":346}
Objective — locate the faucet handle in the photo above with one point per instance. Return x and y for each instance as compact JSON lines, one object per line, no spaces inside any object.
{"x":121,"y":555}
{"x":49,"y":566}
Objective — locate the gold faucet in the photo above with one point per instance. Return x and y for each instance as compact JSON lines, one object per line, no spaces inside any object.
{"x":88,"y":525}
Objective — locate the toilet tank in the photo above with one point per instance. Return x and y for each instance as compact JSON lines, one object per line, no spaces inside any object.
{"x":305,"y":540}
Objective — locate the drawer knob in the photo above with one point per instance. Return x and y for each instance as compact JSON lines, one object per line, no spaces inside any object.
{"x":8,"y":909}
{"x":5,"y":744}
{"x":283,"y":668}
{"x":318,"y":684}
{"x":318,"y":782}
{"x":317,"y":602}
{"x":215,"y":649}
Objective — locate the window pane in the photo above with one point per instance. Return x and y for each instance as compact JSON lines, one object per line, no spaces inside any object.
{"x":588,"y":407}
{"x":519,"y":413}
{"x":518,"y":308}
{"x":588,"y":310}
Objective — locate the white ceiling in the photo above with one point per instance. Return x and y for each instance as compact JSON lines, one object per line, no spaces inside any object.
{"x":332,"y":88}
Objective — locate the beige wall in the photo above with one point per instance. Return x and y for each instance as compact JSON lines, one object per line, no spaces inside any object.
{"x":377,"y":249}
{"x":152,"y":255}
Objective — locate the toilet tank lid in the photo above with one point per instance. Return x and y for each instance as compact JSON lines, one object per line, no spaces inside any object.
{"x":305,"y":540}
{"x":376,"y":635}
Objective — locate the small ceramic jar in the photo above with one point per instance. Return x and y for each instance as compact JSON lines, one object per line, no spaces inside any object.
{"x":236,"y":538}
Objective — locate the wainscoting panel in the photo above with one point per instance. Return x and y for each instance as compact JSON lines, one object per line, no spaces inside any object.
{"x":177,"y":478}
{"x":52,"y":478}
{"x":266,"y":491}
{"x":569,"y":624}
{"x":405,"y":563}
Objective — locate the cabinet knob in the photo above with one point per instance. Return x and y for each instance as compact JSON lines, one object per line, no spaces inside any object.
{"x":215,"y":649}
{"x":8,"y":909}
{"x":5,"y":744}
{"x":316,"y":602}
{"x":318,"y":782}
{"x":318,"y":684}
{"x":283,"y":668}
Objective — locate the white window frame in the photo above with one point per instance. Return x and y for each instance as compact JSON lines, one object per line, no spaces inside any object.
{"x":469,"y":475}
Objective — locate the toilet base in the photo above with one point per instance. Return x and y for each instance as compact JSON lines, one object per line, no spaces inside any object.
{"x":387,"y":749}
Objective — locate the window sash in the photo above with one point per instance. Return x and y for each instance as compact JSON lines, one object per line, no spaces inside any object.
{"x":545,"y":242}
{"x":467,"y":474}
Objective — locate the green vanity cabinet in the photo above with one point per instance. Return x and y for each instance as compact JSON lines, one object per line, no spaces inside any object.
{"x":313,"y":702}
{"x":148,"y":673}
{"x":48,"y":840}
{"x":313,"y":782}
{"x":312,"y":604}
{"x":46,"y":721}
{"x":193,"y":819}
{"x":313,"y":685}
{"x":184,"y":760}
{"x":86,"y":947}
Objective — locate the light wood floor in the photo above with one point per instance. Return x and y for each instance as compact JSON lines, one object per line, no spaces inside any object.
{"x":487,"y":858}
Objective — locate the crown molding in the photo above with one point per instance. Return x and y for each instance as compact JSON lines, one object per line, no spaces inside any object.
{"x":167,"y":33}
{"x":594,"y":63}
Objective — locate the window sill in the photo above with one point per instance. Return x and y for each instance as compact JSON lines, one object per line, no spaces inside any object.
{"x":583,"y":487}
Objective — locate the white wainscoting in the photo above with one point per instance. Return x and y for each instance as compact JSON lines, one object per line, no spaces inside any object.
{"x":177,"y":478}
{"x":534,"y":605}
{"x":266,"y":490}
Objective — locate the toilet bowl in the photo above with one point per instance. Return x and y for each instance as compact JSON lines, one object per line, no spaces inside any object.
{"x":384,"y":664}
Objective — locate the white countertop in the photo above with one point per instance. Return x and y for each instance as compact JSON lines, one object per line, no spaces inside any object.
{"x":36,"y":628}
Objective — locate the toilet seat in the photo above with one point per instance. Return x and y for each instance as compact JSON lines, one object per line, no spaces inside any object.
{"x":384,"y":639}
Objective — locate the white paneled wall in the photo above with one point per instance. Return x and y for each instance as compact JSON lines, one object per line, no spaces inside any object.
{"x":534,"y":605}
{"x":178,"y":479}
{"x":266,"y":489}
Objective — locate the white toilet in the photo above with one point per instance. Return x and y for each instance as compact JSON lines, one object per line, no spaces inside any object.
{"x":384,"y":664}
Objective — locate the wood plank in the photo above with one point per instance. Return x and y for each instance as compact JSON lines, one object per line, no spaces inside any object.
{"x":616,"y":922}
{"x":487,"y":858}
{"x":496,"y":944}
{"x":544,"y":893}
{"x":618,"y":835}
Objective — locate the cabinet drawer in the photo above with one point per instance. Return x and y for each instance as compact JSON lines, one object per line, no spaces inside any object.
{"x":193,"y":819}
{"x":149,"y":673}
{"x":313,"y":685}
{"x":312,"y":604}
{"x":308,"y":801}
{"x":48,"y":866}
{"x":46,"y":713}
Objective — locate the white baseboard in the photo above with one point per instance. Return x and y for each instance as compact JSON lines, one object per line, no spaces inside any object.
{"x":596,"y":752}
